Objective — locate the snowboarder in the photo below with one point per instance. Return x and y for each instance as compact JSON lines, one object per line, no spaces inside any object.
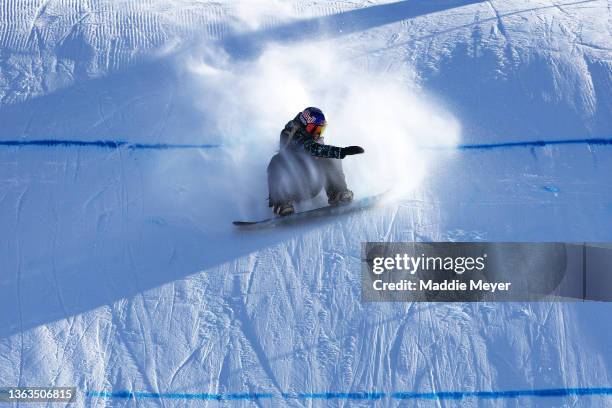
{"x":305,"y":165}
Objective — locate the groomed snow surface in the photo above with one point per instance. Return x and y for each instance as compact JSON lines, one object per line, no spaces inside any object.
{"x":120,"y":271}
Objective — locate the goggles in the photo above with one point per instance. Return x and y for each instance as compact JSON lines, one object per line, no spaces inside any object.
{"x":316,"y":130}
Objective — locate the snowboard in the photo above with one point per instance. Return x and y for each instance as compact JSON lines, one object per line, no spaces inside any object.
{"x":329,"y":210}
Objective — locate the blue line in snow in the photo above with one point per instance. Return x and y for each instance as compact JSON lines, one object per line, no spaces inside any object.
{"x":115,"y":144}
{"x":172,"y":395}
{"x":444,"y":395}
{"x":107,"y":144}
{"x":336,"y":395}
{"x":535,"y":143}
{"x":554,"y":392}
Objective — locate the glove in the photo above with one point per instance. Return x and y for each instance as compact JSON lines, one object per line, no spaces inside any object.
{"x":348,"y":151}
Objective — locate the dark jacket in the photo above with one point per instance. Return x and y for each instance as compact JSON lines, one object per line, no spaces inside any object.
{"x":295,"y":139}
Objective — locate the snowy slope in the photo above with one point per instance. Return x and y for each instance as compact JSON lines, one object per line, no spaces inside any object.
{"x":121,"y":270}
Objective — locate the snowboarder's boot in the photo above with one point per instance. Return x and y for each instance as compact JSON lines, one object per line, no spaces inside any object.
{"x":340,"y":197}
{"x":284,"y":209}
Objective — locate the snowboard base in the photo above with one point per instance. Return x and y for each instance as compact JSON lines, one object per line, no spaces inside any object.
{"x":329,"y":210}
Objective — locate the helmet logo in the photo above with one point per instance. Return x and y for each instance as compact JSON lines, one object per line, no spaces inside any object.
{"x":307,"y":117}
{"x":312,"y":115}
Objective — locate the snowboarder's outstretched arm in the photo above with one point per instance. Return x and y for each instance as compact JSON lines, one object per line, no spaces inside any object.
{"x":321,"y":150}
{"x":295,"y":138}
{"x":324,"y":150}
{"x":329,"y":151}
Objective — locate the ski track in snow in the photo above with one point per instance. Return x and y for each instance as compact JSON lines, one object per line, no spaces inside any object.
{"x":121,"y":272}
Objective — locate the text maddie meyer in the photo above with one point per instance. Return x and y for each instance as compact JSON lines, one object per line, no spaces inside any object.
{"x":446,"y":285}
